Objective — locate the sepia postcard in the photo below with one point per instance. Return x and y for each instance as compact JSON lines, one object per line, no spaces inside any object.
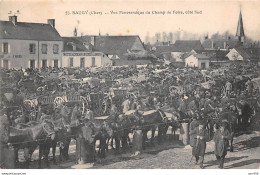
{"x":89,"y":86}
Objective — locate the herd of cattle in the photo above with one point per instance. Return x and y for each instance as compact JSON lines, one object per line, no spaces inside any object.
{"x":155,"y":112}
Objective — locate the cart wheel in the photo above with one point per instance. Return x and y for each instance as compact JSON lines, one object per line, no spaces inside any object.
{"x":84,"y":104}
{"x":58,"y":101}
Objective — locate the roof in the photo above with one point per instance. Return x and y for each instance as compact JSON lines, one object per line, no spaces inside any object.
{"x":214,"y":55}
{"x":116,"y":44}
{"x":68,"y":43}
{"x":219,"y":43}
{"x":186,"y":45}
{"x":163,"y":49}
{"x":201,"y":56}
{"x":242,"y":52}
{"x":28,"y":31}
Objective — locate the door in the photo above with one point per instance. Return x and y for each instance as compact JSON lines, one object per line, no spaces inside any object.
{"x":82,"y":62}
{"x":203,"y":65}
{"x":93,"y":62}
{"x":32,"y":64}
{"x":56,"y":63}
{"x":6,"y":64}
{"x":44,"y":63}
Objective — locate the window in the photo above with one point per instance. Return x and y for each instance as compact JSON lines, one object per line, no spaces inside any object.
{"x":6,"y":64}
{"x":74,"y":47}
{"x":82,"y":62}
{"x":56,"y":63}
{"x":44,"y":48}
{"x":32,"y":64}
{"x":32,"y":48}
{"x":5,"y":47}
{"x":55,"y":48}
{"x":71,"y":62}
{"x":93,"y":62}
{"x":44,"y":63}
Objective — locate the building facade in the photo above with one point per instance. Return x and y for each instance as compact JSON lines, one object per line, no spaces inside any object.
{"x":197,"y":60}
{"x":29,"y":45}
{"x":78,"y":53}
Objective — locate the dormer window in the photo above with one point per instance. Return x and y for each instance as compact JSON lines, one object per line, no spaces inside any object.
{"x":74,"y":47}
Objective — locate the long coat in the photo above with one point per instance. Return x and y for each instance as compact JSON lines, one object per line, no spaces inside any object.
{"x":193,"y":132}
{"x":221,"y":144}
{"x":201,"y":143}
{"x":4,"y":129}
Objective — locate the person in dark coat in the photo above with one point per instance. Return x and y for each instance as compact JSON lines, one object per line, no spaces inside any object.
{"x":193,"y":136}
{"x":4,"y":137}
{"x":221,"y":137}
{"x":202,"y":137}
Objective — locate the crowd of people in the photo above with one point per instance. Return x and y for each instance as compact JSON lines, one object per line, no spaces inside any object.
{"x":192,"y":93}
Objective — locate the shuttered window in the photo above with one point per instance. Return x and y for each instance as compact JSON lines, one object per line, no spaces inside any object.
{"x":32,"y":48}
{"x":5,"y":48}
{"x":44,"y":48}
{"x":55,"y":48}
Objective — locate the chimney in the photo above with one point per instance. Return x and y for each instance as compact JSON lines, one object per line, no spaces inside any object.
{"x":92,"y":40}
{"x":225,"y":45}
{"x":229,"y":38}
{"x":212,"y":44}
{"x":51,"y":22}
{"x":13,"y":19}
{"x":169,"y":42}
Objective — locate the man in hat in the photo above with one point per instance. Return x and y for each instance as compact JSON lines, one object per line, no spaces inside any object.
{"x":4,"y":137}
{"x":193,"y":136}
{"x":202,"y":137}
{"x":221,"y":137}
{"x":228,"y":87}
{"x":114,"y":111}
{"x":126,"y":105}
{"x":89,"y":115}
{"x":183,"y":107}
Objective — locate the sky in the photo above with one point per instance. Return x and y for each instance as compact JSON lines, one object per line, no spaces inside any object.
{"x":217,"y":16}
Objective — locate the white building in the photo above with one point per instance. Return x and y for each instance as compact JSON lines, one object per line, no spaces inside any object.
{"x":29,"y":45}
{"x":197,"y":60}
{"x":78,"y":53}
{"x":238,"y":54}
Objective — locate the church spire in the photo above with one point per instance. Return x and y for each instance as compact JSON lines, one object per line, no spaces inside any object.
{"x":240,"y":29}
{"x":75,"y":32}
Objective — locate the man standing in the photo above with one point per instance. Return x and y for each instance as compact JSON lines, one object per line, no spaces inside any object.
{"x":126,"y":105}
{"x":4,"y":137}
{"x":221,"y":138}
{"x":202,"y":137}
{"x":193,"y":136}
{"x":89,"y":115}
{"x":228,"y":88}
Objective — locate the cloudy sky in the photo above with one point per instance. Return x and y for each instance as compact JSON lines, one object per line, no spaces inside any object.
{"x":217,"y":16}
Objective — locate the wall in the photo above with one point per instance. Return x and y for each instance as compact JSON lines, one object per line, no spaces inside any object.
{"x":234,"y":55}
{"x":177,"y":56}
{"x":203,"y":61}
{"x":19,"y":54}
{"x":191,"y":61}
{"x":100,"y":59}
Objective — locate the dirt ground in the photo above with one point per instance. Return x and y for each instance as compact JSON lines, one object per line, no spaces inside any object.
{"x":172,"y":154}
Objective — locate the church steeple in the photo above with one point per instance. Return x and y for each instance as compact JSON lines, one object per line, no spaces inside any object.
{"x":75,"y":32}
{"x":240,"y":29}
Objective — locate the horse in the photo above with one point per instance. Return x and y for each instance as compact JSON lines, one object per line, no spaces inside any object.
{"x":148,"y":120}
{"x":102,"y":131}
{"x":231,"y":118}
{"x":173,"y":121}
{"x":29,"y":137}
{"x":245,"y":114}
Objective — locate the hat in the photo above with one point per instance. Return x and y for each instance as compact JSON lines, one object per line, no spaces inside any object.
{"x":185,"y":97}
